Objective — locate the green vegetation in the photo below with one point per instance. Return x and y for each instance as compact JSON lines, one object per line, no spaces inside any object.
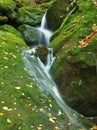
{"x":22,"y":105}
{"x":30,"y":15}
{"x":75,"y":47}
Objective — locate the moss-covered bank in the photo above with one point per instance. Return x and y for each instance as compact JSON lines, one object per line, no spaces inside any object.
{"x":75,"y":47}
{"x":22,"y":105}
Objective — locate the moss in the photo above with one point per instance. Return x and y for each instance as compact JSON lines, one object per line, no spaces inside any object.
{"x":3,"y":19}
{"x":74,"y":63}
{"x":30,"y":15}
{"x":7,"y":5}
{"x":22,"y":105}
{"x":11,"y":29}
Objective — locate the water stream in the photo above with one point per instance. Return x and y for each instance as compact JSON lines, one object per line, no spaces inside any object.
{"x":46,"y":33}
{"x":40,"y":73}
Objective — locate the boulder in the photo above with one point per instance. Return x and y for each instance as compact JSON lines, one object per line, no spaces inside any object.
{"x":42,"y":52}
{"x":7,"y":8}
{"x":29,"y":15}
{"x":11,"y":29}
{"x":30,"y":34}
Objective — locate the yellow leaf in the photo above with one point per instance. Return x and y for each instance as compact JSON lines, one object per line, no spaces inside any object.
{"x":8,"y":120}
{"x":17,"y":88}
{"x":14,"y":56}
{"x":95,"y":127}
{"x":1,"y":114}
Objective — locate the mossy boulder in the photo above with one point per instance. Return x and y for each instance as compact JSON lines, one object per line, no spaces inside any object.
{"x":11,"y":29}
{"x":30,"y":34}
{"x":7,"y":8}
{"x":3,"y":19}
{"x":75,"y":66}
{"x":7,"y":5}
{"x":30,"y":15}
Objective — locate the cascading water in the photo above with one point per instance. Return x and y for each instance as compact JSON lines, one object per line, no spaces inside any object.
{"x":46,"y":34}
{"x":40,"y":73}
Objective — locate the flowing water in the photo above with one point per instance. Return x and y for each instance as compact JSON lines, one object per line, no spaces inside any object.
{"x":40,"y":73}
{"x":46,"y":34}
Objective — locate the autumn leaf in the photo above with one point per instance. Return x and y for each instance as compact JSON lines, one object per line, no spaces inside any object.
{"x":28,"y":105}
{"x":1,"y":114}
{"x":8,"y":121}
{"x":94,"y":127}
{"x":67,"y":117}
{"x":84,"y":42}
{"x":56,"y":128}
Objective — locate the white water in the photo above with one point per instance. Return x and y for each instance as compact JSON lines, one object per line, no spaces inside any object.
{"x":45,"y":38}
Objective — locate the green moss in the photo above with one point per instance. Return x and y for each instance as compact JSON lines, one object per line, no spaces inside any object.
{"x":3,"y":19}
{"x":30,"y":15}
{"x":11,"y":29}
{"x":73,"y":63}
{"x":7,"y":5}
{"x":22,"y":105}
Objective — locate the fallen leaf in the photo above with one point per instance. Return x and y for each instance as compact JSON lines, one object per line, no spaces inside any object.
{"x":1,"y":114}
{"x":95,"y":127}
{"x":8,"y":120}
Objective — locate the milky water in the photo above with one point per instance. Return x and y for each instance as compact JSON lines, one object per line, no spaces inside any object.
{"x":46,"y":34}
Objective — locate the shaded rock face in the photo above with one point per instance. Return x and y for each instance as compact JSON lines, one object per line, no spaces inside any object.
{"x":30,"y":34}
{"x":75,"y":66}
{"x":57,"y":12}
{"x":42,"y":52}
{"x":41,"y":1}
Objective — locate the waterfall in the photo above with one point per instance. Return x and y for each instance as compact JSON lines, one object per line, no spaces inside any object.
{"x":40,"y":73}
{"x":46,"y":34}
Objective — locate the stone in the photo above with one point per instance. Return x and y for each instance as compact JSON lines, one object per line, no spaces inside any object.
{"x":29,"y":15}
{"x":42,"y":52}
{"x":30,"y":34}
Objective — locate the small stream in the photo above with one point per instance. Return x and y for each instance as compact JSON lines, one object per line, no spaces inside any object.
{"x":40,"y":73}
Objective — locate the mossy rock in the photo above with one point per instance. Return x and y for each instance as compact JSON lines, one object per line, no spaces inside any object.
{"x":3,"y":19}
{"x":75,"y":66}
{"x":30,"y":34}
{"x":11,"y":29}
{"x":7,"y":5}
{"x":30,"y":15}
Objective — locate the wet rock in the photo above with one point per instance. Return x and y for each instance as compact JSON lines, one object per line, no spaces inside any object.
{"x":30,"y":34}
{"x":42,"y":52}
